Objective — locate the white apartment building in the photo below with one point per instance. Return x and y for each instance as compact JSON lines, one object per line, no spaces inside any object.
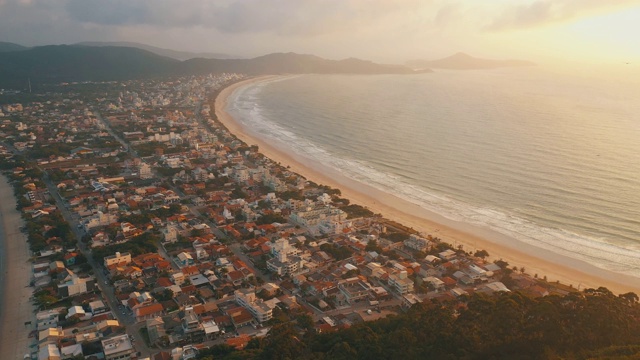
{"x":117,"y":348}
{"x":247,"y":299}
{"x":100,"y":219}
{"x":417,"y":243}
{"x":319,"y":219}
{"x":144,"y":171}
{"x":400,"y":283}
{"x":117,"y":258}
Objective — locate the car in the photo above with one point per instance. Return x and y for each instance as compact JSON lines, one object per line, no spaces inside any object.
{"x":124,"y":313}
{"x":106,"y":282}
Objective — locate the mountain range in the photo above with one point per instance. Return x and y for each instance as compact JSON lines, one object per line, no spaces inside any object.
{"x":174,"y":54}
{"x":69,"y":63}
{"x":462,"y":61}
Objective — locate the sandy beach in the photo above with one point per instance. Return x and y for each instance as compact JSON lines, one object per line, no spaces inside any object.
{"x":15,"y":274}
{"x":535,"y":260}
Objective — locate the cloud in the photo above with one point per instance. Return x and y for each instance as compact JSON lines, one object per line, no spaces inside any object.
{"x":447,"y":15}
{"x":543,"y":12}
{"x":282,"y":17}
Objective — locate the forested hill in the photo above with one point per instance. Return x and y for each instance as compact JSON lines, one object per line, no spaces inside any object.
{"x":594,"y":324}
{"x":8,"y":47}
{"x":69,"y":63}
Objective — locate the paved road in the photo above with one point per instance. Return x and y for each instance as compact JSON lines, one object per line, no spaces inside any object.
{"x":107,"y":291}
{"x":115,"y":135}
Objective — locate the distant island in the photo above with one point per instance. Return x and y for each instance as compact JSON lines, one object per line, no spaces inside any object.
{"x":462,"y":61}
{"x":80,"y":63}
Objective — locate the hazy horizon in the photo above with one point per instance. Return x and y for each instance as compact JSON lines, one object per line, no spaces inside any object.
{"x":558,"y":32}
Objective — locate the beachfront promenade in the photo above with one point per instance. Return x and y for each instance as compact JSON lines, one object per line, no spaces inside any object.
{"x":16,"y":309}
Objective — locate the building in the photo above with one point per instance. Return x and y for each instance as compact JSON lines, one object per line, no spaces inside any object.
{"x":192,"y":329}
{"x":178,"y":278}
{"x":49,"y":352}
{"x":76,"y":286}
{"x":117,"y":259}
{"x":290,"y":265}
{"x":144,"y":171}
{"x":184,"y":259}
{"x":100,"y":219}
{"x":408,"y":300}
{"x":47,"y":319}
{"x":155,"y":329}
{"x":170,"y":233}
{"x":149,"y":311}
{"x":117,"y":348}
{"x":258,"y":308}
{"x":354,"y":290}
{"x":285,"y":260}
{"x":282,"y":247}
{"x":400,"y":283}
{"x":417,"y":243}
{"x":98,"y":307}
{"x":319,"y":219}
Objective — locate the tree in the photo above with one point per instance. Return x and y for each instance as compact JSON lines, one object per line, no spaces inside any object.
{"x":282,"y":343}
{"x":372,"y":245}
{"x":482,"y":254}
{"x":305,"y":321}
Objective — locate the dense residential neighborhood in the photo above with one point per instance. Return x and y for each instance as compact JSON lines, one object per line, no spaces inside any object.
{"x":156,"y":234}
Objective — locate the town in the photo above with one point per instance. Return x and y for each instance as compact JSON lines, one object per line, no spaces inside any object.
{"x":156,"y":234}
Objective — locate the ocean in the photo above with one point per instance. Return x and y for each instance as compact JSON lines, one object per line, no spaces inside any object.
{"x":547,"y":159}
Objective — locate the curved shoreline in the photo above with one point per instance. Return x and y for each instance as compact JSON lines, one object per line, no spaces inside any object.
{"x":535,"y":260}
{"x":15,"y":306}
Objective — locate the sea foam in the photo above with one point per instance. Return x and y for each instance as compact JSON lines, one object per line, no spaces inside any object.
{"x":245,"y":108}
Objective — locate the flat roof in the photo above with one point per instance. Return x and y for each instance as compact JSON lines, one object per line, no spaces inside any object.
{"x":116,"y":344}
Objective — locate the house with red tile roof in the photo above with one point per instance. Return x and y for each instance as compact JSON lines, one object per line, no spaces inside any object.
{"x":148,"y":311}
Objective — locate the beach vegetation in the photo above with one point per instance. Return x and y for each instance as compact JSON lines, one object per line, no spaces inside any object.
{"x":503,"y":264}
{"x":396,"y":236}
{"x":290,"y":194}
{"x":356,"y":211}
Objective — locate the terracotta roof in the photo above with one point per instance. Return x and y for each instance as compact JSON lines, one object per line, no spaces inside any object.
{"x":235,"y":275}
{"x":188,"y":289}
{"x":149,"y":310}
{"x":449,"y":281}
{"x":239,"y":342}
{"x":190,"y":270}
{"x":164,"y":282}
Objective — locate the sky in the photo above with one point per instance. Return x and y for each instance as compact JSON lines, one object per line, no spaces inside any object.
{"x":390,"y":31}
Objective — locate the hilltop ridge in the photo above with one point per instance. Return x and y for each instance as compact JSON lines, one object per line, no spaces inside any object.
{"x":69,"y":63}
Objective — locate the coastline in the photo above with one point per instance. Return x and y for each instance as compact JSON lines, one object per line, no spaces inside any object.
{"x":15,"y":306}
{"x":535,"y":260}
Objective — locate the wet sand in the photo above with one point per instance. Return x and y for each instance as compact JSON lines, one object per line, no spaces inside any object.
{"x":15,"y":275}
{"x":535,"y":260}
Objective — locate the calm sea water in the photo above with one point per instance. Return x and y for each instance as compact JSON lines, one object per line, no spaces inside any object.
{"x":548,"y":159}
